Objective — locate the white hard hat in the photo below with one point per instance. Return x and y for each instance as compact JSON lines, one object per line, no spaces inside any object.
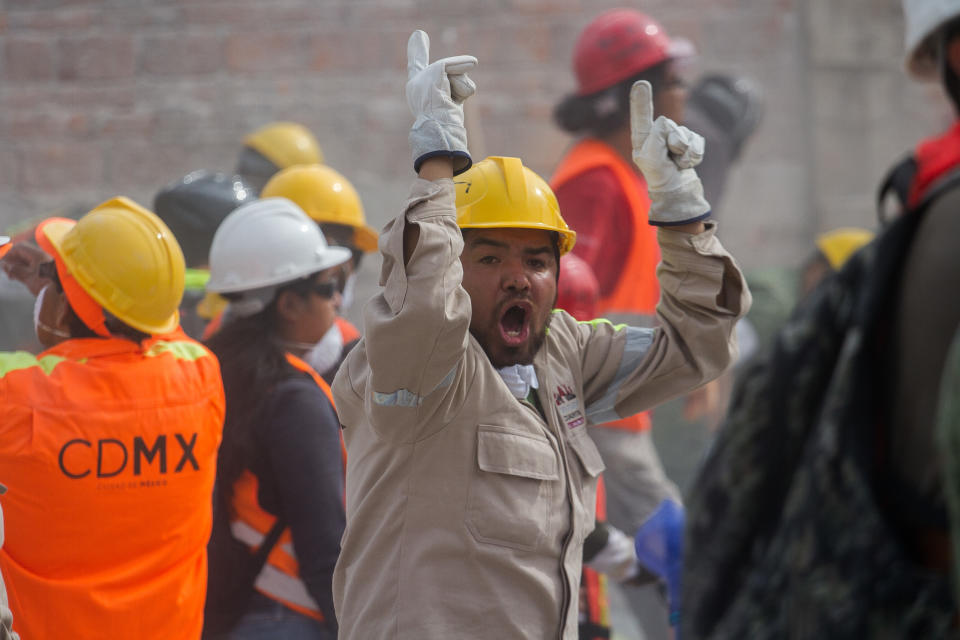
{"x":268,"y":242}
{"x":924,"y":18}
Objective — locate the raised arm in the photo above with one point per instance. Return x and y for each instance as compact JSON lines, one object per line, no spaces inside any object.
{"x":703,"y":293}
{"x":417,"y":329}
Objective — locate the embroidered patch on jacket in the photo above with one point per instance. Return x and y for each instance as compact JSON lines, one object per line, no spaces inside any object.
{"x":569,"y":406}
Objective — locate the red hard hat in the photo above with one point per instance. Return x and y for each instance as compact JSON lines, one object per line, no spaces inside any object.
{"x":578,"y":291}
{"x":618,"y":44}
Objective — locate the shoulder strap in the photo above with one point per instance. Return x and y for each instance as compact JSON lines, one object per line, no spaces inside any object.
{"x":896,"y":185}
{"x":268,"y":544}
{"x":939,"y":187}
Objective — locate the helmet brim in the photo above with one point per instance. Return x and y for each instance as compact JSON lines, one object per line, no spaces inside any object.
{"x":50,"y":234}
{"x":332,"y":256}
{"x":365,"y":238}
{"x":568,"y":237}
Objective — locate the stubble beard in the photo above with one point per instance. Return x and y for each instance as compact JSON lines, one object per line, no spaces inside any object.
{"x":509,"y":356}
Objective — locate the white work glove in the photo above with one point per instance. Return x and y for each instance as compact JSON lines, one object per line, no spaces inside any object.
{"x":666,"y":153}
{"x":435,"y":93}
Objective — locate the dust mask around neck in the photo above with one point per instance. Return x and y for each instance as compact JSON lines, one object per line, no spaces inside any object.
{"x":349,"y":292}
{"x":519,"y":378}
{"x":325,"y":355}
{"x":37,"y":324}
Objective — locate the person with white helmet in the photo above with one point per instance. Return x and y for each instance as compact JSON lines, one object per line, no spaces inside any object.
{"x":280,"y":470}
{"x":927,"y":308}
{"x":823,"y":509}
{"x":333,"y":203}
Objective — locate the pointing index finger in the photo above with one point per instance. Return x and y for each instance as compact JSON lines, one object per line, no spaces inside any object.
{"x":418,"y":52}
{"x":641,"y":112}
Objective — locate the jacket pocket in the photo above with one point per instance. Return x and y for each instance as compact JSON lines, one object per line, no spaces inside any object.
{"x":511,"y":492}
{"x":587,"y":454}
{"x":591,"y":466}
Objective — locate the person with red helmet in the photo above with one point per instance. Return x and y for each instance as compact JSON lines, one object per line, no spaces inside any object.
{"x":606,"y":200}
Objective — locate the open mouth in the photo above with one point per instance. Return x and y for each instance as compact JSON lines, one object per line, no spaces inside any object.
{"x":515,"y":324}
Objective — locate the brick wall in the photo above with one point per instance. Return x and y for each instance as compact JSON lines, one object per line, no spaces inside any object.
{"x":99,"y":97}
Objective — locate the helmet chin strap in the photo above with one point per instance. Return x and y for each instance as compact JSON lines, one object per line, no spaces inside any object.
{"x":39,"y":324}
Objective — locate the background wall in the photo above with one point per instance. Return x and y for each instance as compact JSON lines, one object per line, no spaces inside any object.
{"x":99,"y":97}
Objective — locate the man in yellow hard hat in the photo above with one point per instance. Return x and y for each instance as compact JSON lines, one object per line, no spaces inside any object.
{"x":116,"y":427}
{"x":330,"y":200}
{"x":471,"y":477}
{"x":273,"y":147}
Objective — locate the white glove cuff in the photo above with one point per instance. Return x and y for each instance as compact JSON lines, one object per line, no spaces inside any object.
{"x":682,"y":205}
{"x":431,"y":138}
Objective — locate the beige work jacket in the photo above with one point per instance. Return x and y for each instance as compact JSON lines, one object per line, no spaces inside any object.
{"x":466,"y":511}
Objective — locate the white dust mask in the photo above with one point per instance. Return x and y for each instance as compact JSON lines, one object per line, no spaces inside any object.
{"x":519,"y":378}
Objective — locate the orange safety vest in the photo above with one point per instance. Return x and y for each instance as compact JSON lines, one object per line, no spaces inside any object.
{"x":280,"y":577}
{"x":347,"y":330}
{"x":108,"y":448}
{"x":638,"y":291}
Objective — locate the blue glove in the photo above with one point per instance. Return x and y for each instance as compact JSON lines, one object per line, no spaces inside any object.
{"x":659,"y":544}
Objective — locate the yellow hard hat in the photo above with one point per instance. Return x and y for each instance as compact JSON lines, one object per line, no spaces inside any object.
{"x":326,"y":196}
{"x":838,"y":245}
{"x":501,"y":192}
{"x":285,"y":144}
{"x":123,"y":257}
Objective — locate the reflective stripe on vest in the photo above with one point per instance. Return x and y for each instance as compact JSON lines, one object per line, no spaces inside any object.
{"x":279,"y":579}
{"x":251,"y":527}
{"x":634,"y":299}
{"x":275,"y":582}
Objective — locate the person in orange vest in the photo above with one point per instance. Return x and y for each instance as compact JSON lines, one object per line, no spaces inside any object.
{"x":605,"y":198}
{"x":273,"y":147}
{"x":109,"y":437}
{"x":334,"y":204}
{"x":280,"y":472}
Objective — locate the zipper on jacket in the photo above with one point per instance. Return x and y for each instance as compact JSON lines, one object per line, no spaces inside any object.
{"x":554,"y":431}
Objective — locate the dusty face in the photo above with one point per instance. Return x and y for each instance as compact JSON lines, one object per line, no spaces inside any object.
{"x":511,"y":276}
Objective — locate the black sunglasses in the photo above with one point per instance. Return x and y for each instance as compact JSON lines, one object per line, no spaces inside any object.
{"x":326,"y":289}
